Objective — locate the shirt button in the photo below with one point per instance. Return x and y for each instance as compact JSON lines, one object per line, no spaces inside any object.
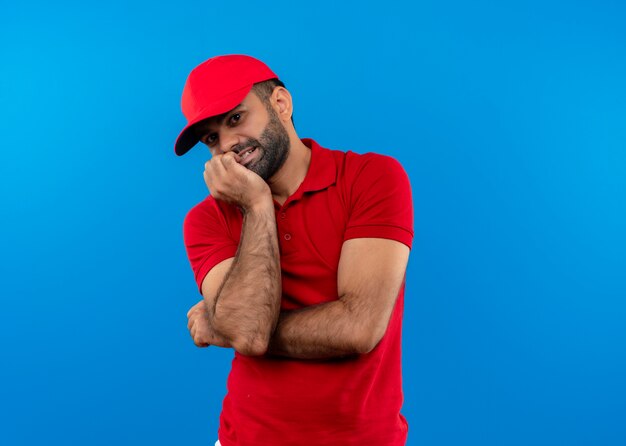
{"x":287,"y":236}
{"x":283,"y":215}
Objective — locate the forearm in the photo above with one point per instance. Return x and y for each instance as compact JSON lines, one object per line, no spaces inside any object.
{"x":329,"y":330}
{"x":247,"y":305}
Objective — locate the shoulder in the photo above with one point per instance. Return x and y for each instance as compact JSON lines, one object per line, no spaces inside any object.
{"x":370,"y":168}
{"x":349,"y":165}
{"x":374,"y":160}
{"x":206,"y":208}
{"x":378,"y":195}
{"x":209,"y":215}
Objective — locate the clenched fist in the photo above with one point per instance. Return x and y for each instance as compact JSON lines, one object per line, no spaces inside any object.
{"x":229,"y":181}
{"x":200,"y":328}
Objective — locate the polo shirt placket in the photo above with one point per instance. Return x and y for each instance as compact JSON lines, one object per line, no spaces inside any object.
{"x":305,"y":232}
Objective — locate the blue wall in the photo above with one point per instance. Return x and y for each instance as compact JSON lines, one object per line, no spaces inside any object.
{"x":510,"y":119}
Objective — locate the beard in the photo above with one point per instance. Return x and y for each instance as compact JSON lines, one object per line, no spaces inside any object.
{"x":274,"y":146}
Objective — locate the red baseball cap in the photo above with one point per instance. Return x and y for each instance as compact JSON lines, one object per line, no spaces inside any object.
{"x":215,"y":87}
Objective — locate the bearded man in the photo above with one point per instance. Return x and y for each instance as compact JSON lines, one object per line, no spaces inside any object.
{"x":300,"y":254}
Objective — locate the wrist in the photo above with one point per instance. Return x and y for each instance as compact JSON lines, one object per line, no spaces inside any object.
{"x":260,"y":206}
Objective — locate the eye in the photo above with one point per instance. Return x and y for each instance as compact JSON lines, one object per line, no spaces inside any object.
{"x":234,"y":119}
{"x":209,"y":140}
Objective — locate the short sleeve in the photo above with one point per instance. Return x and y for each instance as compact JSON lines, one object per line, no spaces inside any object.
{"x":208,"y":240}
{"x":380,"y":201}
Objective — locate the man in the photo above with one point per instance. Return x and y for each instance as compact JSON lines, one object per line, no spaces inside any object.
{"x":300,"y":255}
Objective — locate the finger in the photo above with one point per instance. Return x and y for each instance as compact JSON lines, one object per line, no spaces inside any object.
{"x":209,"y":172}
{"x":210,"y":177}
{"x":209,"y":166}
{"x":231,"y":156}
{"x":198,"y":340}
{"x":229,"y":159}
{"x":192,"y":311}
{"x":214,"y":168}
{"x":198,"y":306}
{"x":218,"y":169}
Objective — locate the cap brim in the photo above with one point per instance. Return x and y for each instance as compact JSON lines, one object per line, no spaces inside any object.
{"x":188,"y":137}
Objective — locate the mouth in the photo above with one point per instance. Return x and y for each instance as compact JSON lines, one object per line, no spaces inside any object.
{"x":247,"y":155}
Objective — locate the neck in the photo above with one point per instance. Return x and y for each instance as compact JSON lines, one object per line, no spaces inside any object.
{"x":289,"y":177}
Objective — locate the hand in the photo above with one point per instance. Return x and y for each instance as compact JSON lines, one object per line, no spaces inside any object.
{"x":229,"y":181}
{"x":200,"y":328}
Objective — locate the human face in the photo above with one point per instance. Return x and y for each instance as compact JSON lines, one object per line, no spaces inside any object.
{"x":236,"y":130}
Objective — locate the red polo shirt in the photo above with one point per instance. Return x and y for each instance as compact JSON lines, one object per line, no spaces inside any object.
{"x":280,"y":401}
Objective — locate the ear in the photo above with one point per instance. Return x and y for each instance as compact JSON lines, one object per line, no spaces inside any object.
{"x":282,"y":103}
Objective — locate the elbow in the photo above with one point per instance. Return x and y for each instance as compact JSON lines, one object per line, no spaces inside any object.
{"x":248,"y":336}
{"x":364,"y":347}
{"x":251,"y":346}
{"x":367,"y":341}
{"x":246,"y":344}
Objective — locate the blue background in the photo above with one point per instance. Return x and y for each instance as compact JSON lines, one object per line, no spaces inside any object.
{"x":508,"y":116}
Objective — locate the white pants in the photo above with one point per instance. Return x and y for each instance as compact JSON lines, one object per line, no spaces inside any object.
{"x":217,"y":443}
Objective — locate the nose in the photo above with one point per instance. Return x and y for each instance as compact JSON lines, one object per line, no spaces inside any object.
{"x":228,"y":139}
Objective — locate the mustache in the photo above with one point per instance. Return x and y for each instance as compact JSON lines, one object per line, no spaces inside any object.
{"x":251,"y":142}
